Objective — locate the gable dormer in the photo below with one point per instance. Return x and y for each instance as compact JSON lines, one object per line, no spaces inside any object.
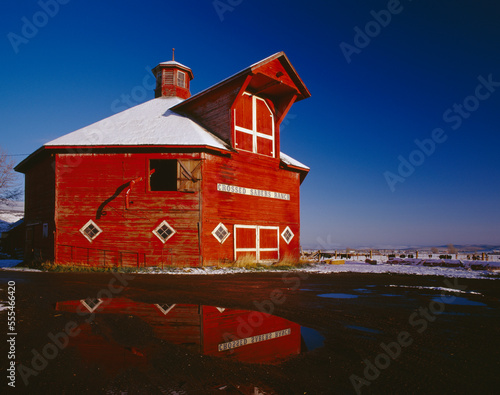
{"x":246,"y":110}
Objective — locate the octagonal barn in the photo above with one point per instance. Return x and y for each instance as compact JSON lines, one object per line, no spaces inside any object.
{"x":178,"y":180}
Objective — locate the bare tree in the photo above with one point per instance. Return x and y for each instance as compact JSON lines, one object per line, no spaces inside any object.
{"x":9,"y":190}
{"x":451,"y":249}
{"x":434,"y":250}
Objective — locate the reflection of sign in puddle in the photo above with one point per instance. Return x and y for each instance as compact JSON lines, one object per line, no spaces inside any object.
{"x":253,"y":340}
{"x":246,"y":336}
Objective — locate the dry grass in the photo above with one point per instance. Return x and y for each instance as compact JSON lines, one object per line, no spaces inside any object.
{"x":290,"y":262}
{"x":246,"y":261}
{"x":76,"y":267}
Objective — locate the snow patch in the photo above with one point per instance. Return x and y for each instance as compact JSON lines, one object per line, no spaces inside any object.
{"x":351,"y":267}
{"x":321,"y":268}
{"x":452,"y":290}
{"x":149,"y":123}
{"x":361,"y":267}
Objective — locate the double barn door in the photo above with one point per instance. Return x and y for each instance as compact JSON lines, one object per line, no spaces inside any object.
{"x":257,"y":242}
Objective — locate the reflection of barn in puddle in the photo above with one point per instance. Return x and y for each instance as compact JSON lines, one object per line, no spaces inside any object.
{"x":246,"y":336}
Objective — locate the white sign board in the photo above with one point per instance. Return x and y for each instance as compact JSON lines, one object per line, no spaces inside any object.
{"x":252,"y":192}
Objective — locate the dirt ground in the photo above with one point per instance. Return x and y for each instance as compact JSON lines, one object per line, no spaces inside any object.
{"x":435,"y":347}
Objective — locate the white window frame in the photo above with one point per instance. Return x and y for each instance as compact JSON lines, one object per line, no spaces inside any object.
{"x":283,"y":235}
{"x":82,"y":230}
{"x":257,"y":248}
{"x":157,"y":234}
{"x":253,"y":131}
{"x":214,"y":233}
{"x":183,"y":74}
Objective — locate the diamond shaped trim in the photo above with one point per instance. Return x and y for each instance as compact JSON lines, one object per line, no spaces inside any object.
{"x":221,"y":233}
{"x":287,"y":235}
{"x":164,"y":231}
{"x":90,"y":230}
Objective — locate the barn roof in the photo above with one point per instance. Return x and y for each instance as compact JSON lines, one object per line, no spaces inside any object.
{"x":149,"y":123}
{"x":280,"y":56}
{"x":288,"y":160}
{"x":159,"y":122}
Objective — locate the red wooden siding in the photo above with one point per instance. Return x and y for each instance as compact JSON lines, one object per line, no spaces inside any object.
{"x":249,"y":171}
{"x":94,"y":187}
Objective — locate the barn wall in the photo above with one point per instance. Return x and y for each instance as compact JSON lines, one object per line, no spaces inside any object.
{"x":213,"y":111}
{"x":39,"y":210}
{"x":94,"y":186}
{"x":249,"y":171}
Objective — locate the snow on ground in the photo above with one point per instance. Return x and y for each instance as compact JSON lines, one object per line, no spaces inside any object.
{"x":435,"y":289}
{"x":321,"y":268}
{"x":351,"y":267}
{"x":359,"y":267}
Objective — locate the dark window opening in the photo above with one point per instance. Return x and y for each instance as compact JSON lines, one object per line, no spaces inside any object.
{"x":91,"y":231}
{"x":165,"y":232}
{"x":164,"y":177}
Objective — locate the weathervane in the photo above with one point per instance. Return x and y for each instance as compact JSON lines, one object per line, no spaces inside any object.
{"x":173,"y":54}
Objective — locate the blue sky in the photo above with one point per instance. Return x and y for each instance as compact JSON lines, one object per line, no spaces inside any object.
{"x":382,"y":74}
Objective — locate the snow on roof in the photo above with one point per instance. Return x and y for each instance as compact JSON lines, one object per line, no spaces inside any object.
{"x":174,"y":63}
{"x":149,"y":123}
{"x":292,"y":162}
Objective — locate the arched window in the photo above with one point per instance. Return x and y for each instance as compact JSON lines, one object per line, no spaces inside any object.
{"x":254,"y":125}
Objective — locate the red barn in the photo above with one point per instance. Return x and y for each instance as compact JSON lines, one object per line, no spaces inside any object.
{"x":208,"y":330}
{"x":178,"y":180}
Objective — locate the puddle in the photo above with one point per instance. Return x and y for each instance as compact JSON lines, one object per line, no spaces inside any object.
{"x":459,"y":301}
{"x":311,"y":338}
{"x":454,"y":313}
{"x":363,"y":290}
{"x":243,"y":335}
{"x":338,"y":296}
{"x":363,"y":329}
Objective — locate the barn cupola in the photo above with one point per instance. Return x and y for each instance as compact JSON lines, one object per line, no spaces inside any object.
{"x":172,"y":79}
